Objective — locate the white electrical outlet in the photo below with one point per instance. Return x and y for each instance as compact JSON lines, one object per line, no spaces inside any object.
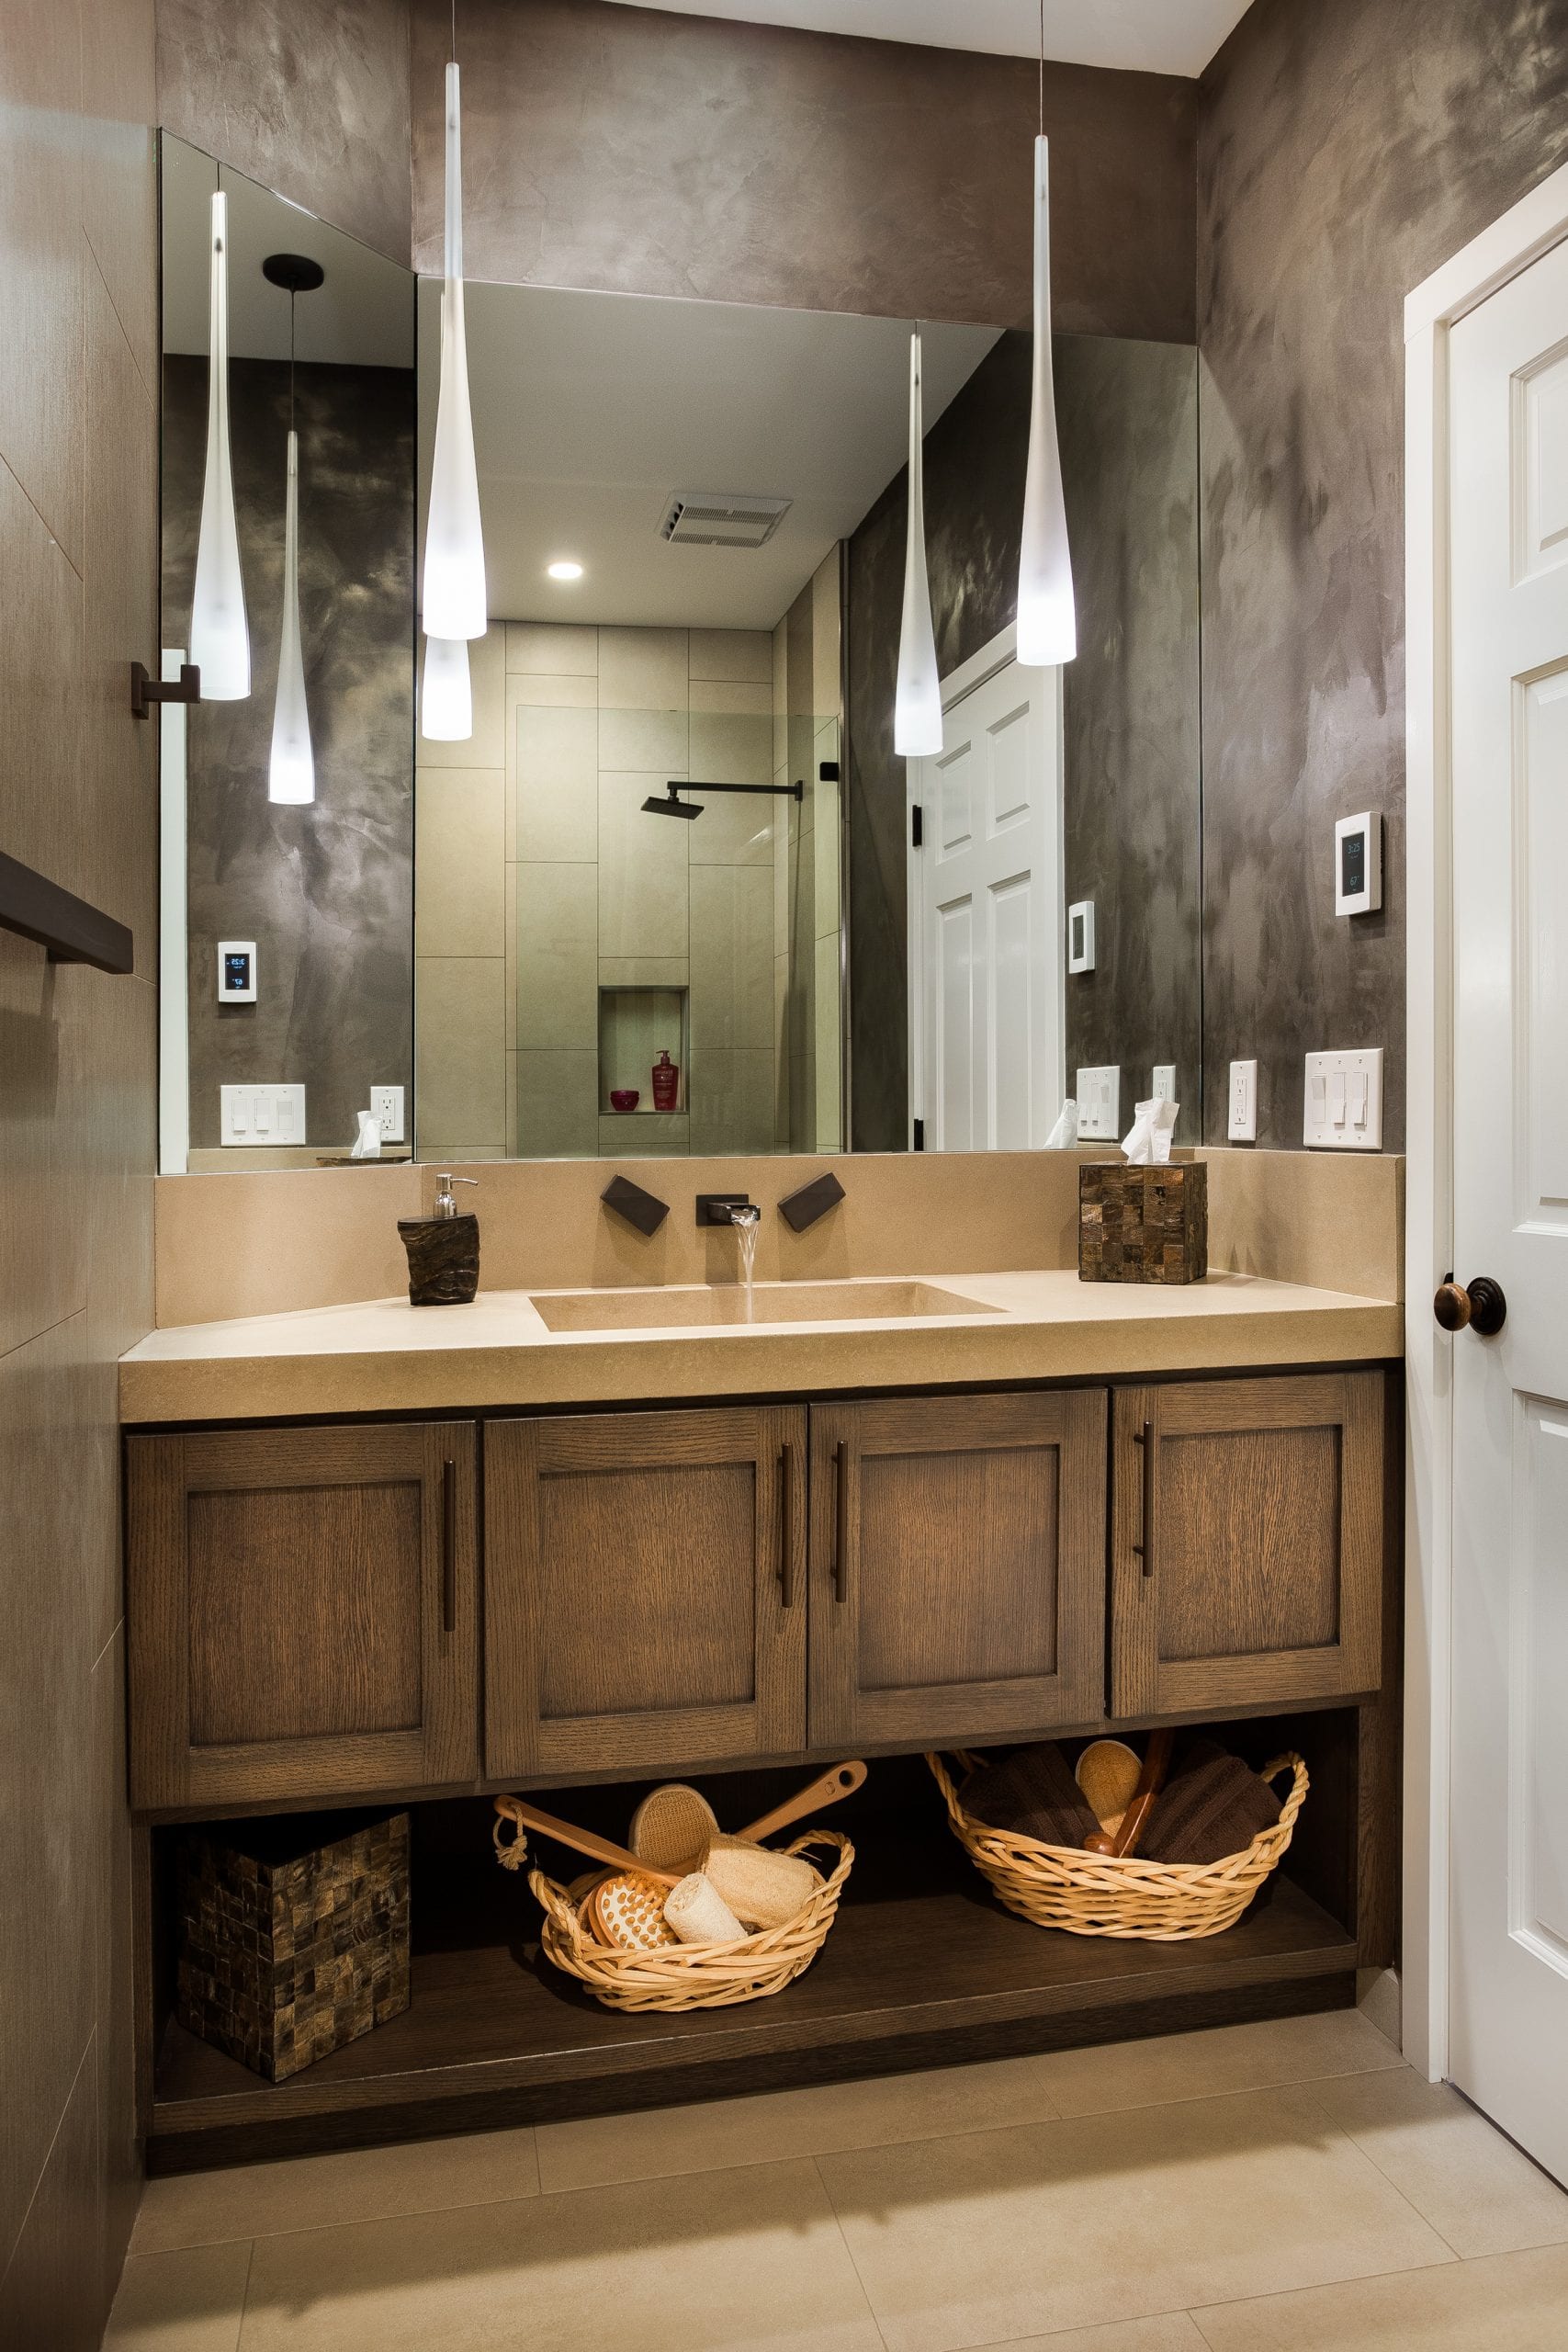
{"x":1098,"y":1100}
{"x":1242,"y":1124}
{"x":262,"y":1115}
{"x":1164,"y":1088}
{"x":387,"y":1102}
{"x":1344,"y":1101}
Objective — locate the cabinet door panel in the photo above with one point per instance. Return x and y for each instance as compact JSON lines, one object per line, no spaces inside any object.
{"x":957,"y":1566}
{"x":645,"y":1598}
{"x":302,"y":1612}
{"x":1261,"y":1574}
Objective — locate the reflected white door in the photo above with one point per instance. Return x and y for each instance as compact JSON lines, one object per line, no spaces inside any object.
{"x":1509,"y":1795}
{"x":986,"y":1011}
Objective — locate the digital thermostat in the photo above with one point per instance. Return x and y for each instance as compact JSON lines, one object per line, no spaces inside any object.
{"x":1080,"y":936}
{"x":236,"y":971}
{"x":1357,"y":865}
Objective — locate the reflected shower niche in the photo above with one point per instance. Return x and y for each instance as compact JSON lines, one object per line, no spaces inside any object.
{"x":636,"y":1027}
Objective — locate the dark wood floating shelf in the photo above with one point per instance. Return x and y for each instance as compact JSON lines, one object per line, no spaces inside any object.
{"x":922,"y":1969}
{"x":71,"y":930}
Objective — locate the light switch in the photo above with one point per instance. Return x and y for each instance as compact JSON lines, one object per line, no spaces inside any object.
{"x":1344,"y":1101}
{"x":1243,"y":1122}
{"x":262,"y":1115}
{"x":1164,"y":1088}
{"x":1098,"y":1100}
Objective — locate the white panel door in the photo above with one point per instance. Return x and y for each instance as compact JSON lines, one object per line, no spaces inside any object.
{"x":1509,"y":1795}
{"x":986,"y":1013}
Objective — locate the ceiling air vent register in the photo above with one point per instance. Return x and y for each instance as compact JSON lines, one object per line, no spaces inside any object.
{"x":721,"y":518}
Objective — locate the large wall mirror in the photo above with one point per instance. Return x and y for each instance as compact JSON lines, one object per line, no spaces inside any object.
{"x":664,"y":897}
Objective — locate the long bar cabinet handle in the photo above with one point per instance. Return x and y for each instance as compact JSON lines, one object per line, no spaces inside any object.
{"x":840,"y":1522}
{"x":448,"y":1547}
{"x":1149,"y":1437}
{"x":786,"y":1525}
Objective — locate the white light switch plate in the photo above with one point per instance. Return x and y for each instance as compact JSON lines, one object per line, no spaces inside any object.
{"x":1099,"y":1104}
{"x":263,"y":1115}
{"x":1164,"y":1088}
{"x":1344,"y":1101}
{"x":1243,"y":1122}
{"x":387,"y":1102}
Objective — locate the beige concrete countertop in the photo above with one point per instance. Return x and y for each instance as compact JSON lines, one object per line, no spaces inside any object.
{"x":386,"y":1356}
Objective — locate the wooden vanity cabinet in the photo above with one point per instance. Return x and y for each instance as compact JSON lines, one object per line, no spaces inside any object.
{"x":645,"y":1590}
{"x":957,"y":1566}
{"x":1246,"y":1541}
{"x":302,"y":1612}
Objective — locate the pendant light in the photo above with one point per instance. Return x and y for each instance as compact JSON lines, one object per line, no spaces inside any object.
{"x":292,"y":771}
{"x":1047,"y":625}
{"x":454,"y":590}
{"x":446,"y":703}
{"x":220,"y":641}
{"x":917,"y":709}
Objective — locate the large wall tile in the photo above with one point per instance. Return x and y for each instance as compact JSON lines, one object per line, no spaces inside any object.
{"x":43,"y":1246}
{"x":556,"y":799}
{"x":738,"y":697}
{"x":460,"y":1081}
{"x":44,"y":810}
{"x":42,"y":382}
{"x":119,"y":189}
{"x":731,"y":1100}
{"x":558,"y":1105}
{"x":459,"y":845}
{"x":731,"y":746}
{"x":732,"y":962}
{"x":52,"y":2296}
{"x":642,"y":669}
{"x":642,"y":871}
{"x":552,"y":648}
{"x":638,"y":740}
{"x":557,"y":955}
{"x":732,"y":653}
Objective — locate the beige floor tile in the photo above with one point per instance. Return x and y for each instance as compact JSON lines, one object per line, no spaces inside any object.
{"x":359,"y":2185}
{"x":1172,"y":2331}
{"x":1228,"y":2058}
{"x":188,"y":2301}
{"x":1512,"y":2303}
{"x":809,"y":2122}
{"x":971,"y":2241}
{"x":1458,"y":2171}
{"x":755,"y":2260}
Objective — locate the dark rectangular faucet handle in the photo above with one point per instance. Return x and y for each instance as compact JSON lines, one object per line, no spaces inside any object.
{"x":716,"y":1209}
{"x":802,"y":1209}
{"x":641,"y":1209}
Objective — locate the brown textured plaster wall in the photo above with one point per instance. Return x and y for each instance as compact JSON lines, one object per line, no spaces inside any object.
{"x":78,"y":1123}
{"x":1345,"y":150}
{"x":638,"y":151}
{"x":310,"y":97}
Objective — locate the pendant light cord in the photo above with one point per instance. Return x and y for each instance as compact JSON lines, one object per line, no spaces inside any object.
{"x":293,"y":296}
{"x":1042,"y":64}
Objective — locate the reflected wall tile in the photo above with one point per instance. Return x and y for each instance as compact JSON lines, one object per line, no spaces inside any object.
{"x":826,"y":1048}
{"x":827,"y":693}
{"x":731,"y":1102}
{"x":552,"y":648}
{"x":738,"y":697}
{"x":642,"y":871}
{"x":642,"y":669}
{"x":732,"y":963}
{"x":645,"y":1136}
{"x":742,"y":653}
{"x":461,"y":1078}
{"x":781,"y":694}
{"x":730,"y":747}
{"x":826,"y":841}
{"x":638,"y":740}
{"x":558,"y":1105}
{"x":643,"y":971}
{"x":558,"y":783}
{"x":562,"y":693}
{"x":460,"y":837}
{"x":486,"y":747}
{"x":557,"y":955}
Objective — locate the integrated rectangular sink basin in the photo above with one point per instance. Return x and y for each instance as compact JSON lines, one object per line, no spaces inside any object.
{"x":724,"y":1303}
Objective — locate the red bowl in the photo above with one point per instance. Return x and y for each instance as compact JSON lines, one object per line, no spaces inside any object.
{"x":624,"y":1098}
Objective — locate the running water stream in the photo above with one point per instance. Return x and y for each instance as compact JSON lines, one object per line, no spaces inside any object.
{"x":746,"y":1222}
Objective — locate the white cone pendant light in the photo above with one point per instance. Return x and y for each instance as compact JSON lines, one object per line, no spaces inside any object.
{"x":445,"y":704}
{"x":1047,"y":625}
{"x":454,"y":590}
{"x":291,"y":776}
{"x":220,"y":641}
{"x":916,"y":709}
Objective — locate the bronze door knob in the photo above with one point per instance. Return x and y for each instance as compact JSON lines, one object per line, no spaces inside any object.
{"x":1482,"y":1308}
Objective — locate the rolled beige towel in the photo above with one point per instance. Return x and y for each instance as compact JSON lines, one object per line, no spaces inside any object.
{"x":763,"y":1889}
{"x":698,"y":1914}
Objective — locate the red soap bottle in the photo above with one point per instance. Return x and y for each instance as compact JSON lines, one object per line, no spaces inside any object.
{"x":666,"y":1081}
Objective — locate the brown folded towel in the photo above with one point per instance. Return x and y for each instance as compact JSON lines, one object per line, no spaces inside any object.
{"x":1214,"y":1805}
{"x":1032,"y":1794}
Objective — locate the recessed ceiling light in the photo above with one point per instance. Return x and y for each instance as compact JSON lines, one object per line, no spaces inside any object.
{"x":565,"y":570}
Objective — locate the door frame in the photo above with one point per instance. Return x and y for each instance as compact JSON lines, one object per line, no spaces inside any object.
{"x":978,"y":671}
{"x":1527,"y":231}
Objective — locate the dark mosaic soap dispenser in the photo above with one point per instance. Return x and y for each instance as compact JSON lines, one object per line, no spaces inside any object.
{"x":444,"y":1249}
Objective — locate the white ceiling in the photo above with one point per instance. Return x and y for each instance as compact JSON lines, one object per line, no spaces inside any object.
{"x":1154,"y":36}
{"x":589,"y":410}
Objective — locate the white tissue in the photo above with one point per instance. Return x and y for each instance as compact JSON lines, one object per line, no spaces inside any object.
{"x":1064,"y":1135}
{"x":1147,"y":1141}
{"x":367,"y":1142}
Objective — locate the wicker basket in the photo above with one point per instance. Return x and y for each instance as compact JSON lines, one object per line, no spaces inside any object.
{"x":1102,"y":1894}
{"x":685,"y":1976}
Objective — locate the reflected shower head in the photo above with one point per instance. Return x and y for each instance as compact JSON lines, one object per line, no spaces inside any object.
{"x":673,"y":804}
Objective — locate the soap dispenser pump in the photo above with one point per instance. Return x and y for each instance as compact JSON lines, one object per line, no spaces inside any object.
{"x":444,"y":1249}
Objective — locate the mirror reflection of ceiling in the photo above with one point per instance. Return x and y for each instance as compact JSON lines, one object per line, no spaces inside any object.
{"x":1147,"y":36}
{"x":591,"y":410}
{"x":361,"y":315}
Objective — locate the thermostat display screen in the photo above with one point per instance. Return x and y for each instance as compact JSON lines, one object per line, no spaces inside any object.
{"x":1353,"y":864}
{"x":236,"y":971}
